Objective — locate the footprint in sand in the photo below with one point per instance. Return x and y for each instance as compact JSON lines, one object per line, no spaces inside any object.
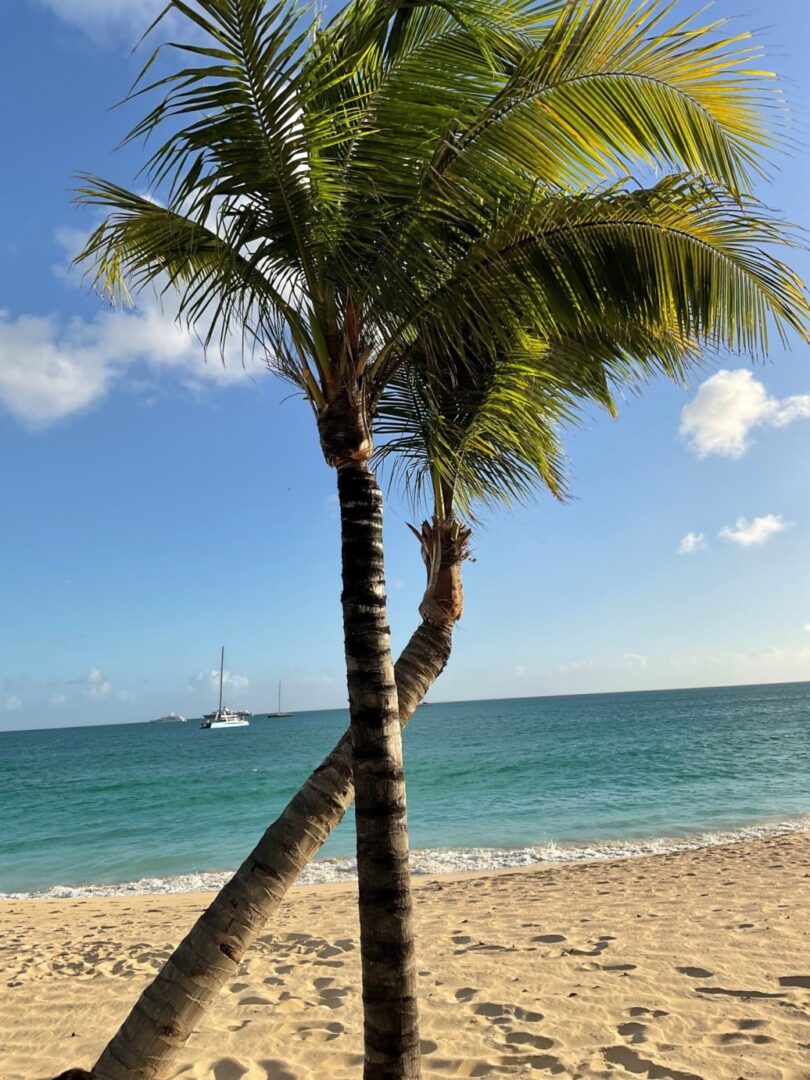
{"x":228,"y":1069}
{"x":427,"y":1046}
{"x":501,"y":1014}
{"x":526,"y":1038}
{"x":329,"y":951}
{"x":640,"y":1010}
{"x":737,"y":1038}
{"x":633,"y":1062}
{"x":331,"y":998}
{"x":695,"y":972}
{"x":635,"y":1032}
{"x":466,"y":993}
{"x":276,"y":1070}
{"x":735,"y":993}
{"x":599,"y":947}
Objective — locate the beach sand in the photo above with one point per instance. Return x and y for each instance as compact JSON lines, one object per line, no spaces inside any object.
{"x":670,"y":967}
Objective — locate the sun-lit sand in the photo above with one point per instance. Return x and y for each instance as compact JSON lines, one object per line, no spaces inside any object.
{"x":671,"y":967}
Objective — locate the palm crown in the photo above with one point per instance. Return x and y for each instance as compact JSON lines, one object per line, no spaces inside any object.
{"x":413,"y":210}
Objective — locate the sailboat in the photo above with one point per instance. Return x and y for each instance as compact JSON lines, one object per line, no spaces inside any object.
{"x":279,"y":711}
{"x":224,"y":718}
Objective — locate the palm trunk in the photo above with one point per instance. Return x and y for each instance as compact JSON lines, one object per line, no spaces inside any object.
{"x":172,"y":1005}
{"x":387,"y":951}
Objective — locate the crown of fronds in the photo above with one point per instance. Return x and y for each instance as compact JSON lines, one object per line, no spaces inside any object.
{"x":380,"y":198}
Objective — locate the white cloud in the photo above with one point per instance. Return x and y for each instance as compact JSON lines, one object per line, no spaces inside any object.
{"x":807,"y":627}
{"x":757,"y":531}
{"x":635,"y":661}
{"x":57,"y":699}
{"x":13,"y":704}
{"x":575,"y":666}
{"x":209,"y":680}
{"x":728,"y":406}
{"x":50,"y":369}
{"x":692,"y":542}
{"x":520,"y":671}
{"x":126,"y":696}
{"x":95,"y":685}
{"x":99,"y":17}
{"x":99,"y":690}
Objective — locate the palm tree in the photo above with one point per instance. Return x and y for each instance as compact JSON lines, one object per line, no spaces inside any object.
{"x":511,"y":417}
{"x":429,"y":177}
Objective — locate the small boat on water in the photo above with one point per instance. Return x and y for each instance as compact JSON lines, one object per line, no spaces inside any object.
{"x":279,"y":711}
{"x":222,"y":717}
{"x":172,"y":718}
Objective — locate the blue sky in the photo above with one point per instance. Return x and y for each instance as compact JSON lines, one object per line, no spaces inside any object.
{"x":156,"y":506}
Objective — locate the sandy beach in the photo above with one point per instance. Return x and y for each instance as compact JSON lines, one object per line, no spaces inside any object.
{"x":672,"y":967}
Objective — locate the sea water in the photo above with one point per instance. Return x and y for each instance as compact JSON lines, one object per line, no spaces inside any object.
{"x":170,"y":807}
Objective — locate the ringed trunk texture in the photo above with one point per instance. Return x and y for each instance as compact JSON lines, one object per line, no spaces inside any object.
{"x":172,"y":1005}
{"x":387,"y":947}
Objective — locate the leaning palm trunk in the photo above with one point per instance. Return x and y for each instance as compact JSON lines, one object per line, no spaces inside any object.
{"x":387,"y":947}
{"x":171,"y":1006}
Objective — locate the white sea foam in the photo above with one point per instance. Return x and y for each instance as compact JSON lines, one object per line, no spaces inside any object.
{"x":442,"y":861}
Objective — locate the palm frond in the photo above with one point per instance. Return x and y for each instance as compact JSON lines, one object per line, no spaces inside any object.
{"x":682,"y":251}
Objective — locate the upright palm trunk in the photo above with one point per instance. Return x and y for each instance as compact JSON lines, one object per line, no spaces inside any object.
{"x":171,"y":1006}
{"x":391,"y":1028}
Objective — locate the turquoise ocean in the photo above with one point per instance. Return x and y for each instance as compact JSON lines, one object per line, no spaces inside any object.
{"x":150,"y":807}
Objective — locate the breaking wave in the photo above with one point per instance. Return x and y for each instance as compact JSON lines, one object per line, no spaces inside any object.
{"x":442,"y":861}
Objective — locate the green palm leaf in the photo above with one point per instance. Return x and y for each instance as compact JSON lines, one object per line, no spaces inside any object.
{"x":421,"y":182}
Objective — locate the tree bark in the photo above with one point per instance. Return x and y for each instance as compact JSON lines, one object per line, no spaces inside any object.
{"x":171,"y":1006}
{"x":387,"y":947}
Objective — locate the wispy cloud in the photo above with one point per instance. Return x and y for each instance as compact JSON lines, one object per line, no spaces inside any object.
{"x":52,"y":368}
{"x":126,"y":696}
{"x":209,"y":680}
{"x":57,"y":699}
{"x":101,"y":17}
{"x":757,"y":531}
{"x":13,"y":704}
{"x":635,"y":661}
{"x":575,"y":666}
{"x":97,"y":686}
{"x":728,"y":406}
{"x":692,"y":543}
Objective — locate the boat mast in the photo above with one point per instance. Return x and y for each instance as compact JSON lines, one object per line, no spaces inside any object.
{"x":221,"y":672}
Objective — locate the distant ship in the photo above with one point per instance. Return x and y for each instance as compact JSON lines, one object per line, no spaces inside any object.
{"x":279,"y":711}
{"x":172,"y":718}
{"x":225,"y":718}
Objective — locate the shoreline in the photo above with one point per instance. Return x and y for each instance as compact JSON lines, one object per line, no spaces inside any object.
{"x":691,"y":964}
{"x":444,"y":863}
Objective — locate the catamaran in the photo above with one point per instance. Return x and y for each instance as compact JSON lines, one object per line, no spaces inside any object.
{"x":225,"y":718}
{"x":279,"y":711}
